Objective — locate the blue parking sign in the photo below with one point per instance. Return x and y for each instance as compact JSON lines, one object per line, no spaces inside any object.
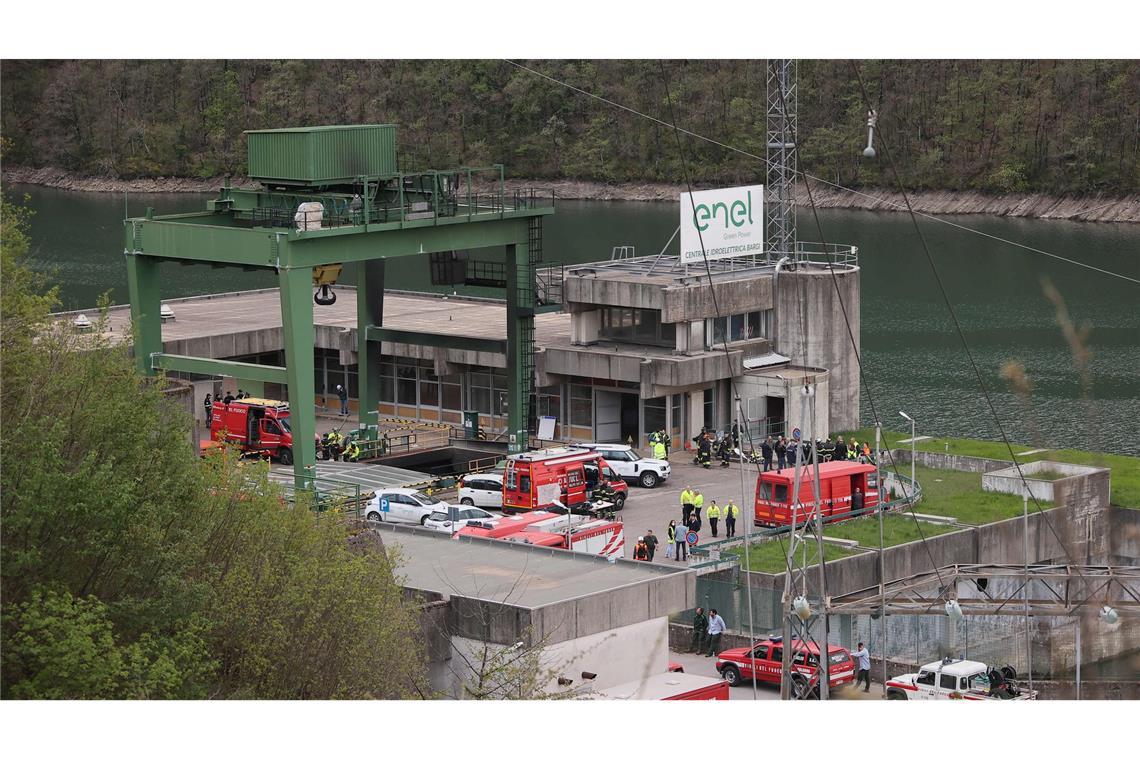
{"x":383,"y":503}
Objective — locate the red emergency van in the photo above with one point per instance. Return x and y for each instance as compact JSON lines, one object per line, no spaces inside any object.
{"x":566,"y":474}
{"x":842,"y":485}
{"x":255,"y":425}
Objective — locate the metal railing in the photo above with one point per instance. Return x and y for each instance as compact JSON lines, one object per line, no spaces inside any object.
{"x":324,"y":495}
{"x":836,"y":254}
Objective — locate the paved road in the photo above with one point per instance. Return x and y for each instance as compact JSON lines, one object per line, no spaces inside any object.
{"x":652,"y":509}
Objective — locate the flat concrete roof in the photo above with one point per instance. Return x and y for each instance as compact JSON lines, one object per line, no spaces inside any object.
{"x":519,"y":575}
{"x":370,"y":477}
{"x":250,"y":310}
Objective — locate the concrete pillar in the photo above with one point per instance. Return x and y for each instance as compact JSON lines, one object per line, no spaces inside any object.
{"x":696,"y":415}
{"x":585,"y":327}
{"x":369,"y":311}
{"x":298,"y":335}
{"x":146,"y":298}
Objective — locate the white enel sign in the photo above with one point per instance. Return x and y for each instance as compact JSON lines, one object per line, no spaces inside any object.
{"x":729,"y":222}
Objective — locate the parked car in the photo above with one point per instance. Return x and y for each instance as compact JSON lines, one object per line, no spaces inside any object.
{"x":766,"y":661}
{"x":958,"y":679}
{"x":455,"y":518}
{"x":402,"y":505}
{"x":482,"y":489}
{"x":630,"y":465}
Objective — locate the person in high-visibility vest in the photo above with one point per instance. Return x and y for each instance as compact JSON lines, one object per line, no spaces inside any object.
{"x":671,"y":538}
{"x":714,"y":516}
{"x":686,"y":504}
{"x":658,"y":450}
{"x":698,"y":502}
{"x":731,"y":512}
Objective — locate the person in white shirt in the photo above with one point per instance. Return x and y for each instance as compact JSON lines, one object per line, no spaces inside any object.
{"x":863,"y":665}
{"x":716,"y":628}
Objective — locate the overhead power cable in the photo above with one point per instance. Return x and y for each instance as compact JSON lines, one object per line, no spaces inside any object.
{"x":837,"y":186}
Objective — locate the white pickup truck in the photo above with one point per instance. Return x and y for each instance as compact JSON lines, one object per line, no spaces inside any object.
{"x":958,"y":679}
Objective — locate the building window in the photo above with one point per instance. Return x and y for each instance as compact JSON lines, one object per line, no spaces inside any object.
{"x":550,"y":402}
{"x":451,"y":385}
{"x":406,"y":385}
{"x":581,"y":405}
{"x":655,"y":414}
{"x":387,"y":382}
{"x":737,"y":327}
{"x":429,"y":388}
{"x":637,"y":326}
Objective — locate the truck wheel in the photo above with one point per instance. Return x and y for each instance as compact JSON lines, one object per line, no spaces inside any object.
{"x":895,"y":694}
{"x":732,"y":675}
{"x":801,"y":689}
{"x":648,"y":479}
{"x":286,"y":456}
{"x":467,"y":502}
{"x":619,"y":502}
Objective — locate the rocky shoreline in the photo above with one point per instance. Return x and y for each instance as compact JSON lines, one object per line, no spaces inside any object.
{"x":1095,"y":208}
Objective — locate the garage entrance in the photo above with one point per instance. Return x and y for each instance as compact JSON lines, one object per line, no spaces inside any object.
{"x":615,"y":416}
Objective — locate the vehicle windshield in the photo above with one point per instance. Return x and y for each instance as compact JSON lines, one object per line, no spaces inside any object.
{"x":284,"y":421}
{"x":634,"y":455}
{"x":424,"y":499}
{"x":438,"y":517}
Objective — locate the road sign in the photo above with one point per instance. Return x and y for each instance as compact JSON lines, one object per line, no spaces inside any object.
{"x":796,"y":433}
{"x":384,"y":504}
{"x":692,"y":538}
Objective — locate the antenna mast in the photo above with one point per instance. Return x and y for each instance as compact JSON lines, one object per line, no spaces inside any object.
{"x":780,"y":209}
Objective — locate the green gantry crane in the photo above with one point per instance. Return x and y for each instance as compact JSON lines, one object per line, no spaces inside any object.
{"x":334,"y":196}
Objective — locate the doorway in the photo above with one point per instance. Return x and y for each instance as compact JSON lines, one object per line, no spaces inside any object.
{"x":775,"y":416}
{"x":616,"y":417}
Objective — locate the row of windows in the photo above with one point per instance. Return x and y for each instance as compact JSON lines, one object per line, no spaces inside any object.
{"x":753,"y":324}
{"x":637,"y":326}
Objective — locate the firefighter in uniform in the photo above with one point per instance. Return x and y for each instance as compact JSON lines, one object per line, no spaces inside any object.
{"x":351,"y":452}
{"x":714,"y":516}
{"x":605,"y":492}
{"x":731,"y":512}
{"x":724,"y":451}
{"x":704,"y":451}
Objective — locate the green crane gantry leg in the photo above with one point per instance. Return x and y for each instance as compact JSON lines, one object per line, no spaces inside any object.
{"x":298,"y":335}
{"x":520,"y":344}
{"x":369,"y":311}
{"x":146,"y":300}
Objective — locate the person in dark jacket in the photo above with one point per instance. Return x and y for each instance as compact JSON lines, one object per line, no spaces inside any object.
{"x":704,"y":451}
{"x":650,"y":543}
{"x":839,"y":453}
{"x":781,"y":449}
{"x":724,"y":451}
{"x":700,"y":628}
{"x":342,"y":394}
{"x":766,"y":453}
{"x":209,"y":406}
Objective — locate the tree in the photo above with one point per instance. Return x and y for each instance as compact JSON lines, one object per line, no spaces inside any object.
{"x":130,"y":569}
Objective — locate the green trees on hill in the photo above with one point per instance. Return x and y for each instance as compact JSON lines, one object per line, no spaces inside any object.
{"x":998,"y":126}
{"x":132,"y":570}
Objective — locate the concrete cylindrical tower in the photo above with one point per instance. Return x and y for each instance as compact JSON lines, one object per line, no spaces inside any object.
{"x":810,"y":319}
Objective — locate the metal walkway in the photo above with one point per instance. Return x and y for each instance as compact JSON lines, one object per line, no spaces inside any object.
{"x":370,"y":477}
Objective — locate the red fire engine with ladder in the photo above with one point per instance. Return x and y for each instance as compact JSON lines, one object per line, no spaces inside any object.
{"x":578,"y":533}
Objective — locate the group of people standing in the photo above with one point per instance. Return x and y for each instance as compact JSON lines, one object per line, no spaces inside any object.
{"x":707,"y":444}
{"x":707,"y":630}
{"x":779,"y":452}
{"x":692,"y":502}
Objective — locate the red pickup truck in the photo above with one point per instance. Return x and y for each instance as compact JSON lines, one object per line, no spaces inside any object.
{"x":737,"y":666}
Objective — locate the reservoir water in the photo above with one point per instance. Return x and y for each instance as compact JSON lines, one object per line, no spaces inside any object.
{"x":913,"y":359}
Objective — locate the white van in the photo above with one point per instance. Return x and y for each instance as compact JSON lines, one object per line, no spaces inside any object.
{"x":631,"y":466}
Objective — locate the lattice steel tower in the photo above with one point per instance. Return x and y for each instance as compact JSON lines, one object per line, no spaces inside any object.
{"x":781,"y":123}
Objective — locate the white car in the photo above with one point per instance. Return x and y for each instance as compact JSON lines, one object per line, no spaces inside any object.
{"x":405,"y":505}
{"x":482,"y":489}
{"x":631,"y":466}
{"x":453,"y":519}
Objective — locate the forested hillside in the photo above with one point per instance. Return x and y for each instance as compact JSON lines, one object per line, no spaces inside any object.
{"x":1060,"y":127}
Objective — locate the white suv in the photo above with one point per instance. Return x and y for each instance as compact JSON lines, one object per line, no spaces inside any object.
{"x":403,"y":505}
{"x":630,"y":465}
{"x":482,"y":489}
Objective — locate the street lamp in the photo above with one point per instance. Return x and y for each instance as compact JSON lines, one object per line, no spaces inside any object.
{"x":906,"y":416}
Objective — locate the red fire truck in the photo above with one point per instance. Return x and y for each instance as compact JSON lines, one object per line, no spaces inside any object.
{"x":842,"y":485}
{"x":567,"y":475}
{"x":577,"y":533}
{"x":255,"y":425}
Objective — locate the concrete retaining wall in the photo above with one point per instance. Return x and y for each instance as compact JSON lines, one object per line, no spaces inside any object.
{"x":948,"y":461}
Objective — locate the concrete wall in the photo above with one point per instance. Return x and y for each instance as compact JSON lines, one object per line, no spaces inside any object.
{"x":179,"y":396}
{"x":676,"y":302}
{"x":825,"y":333}
{"x":957,"y":462}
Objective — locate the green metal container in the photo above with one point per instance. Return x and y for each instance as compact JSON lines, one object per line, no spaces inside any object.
{"x":332,"y":155}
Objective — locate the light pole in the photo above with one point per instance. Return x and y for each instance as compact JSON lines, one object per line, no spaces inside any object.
{"x":908,"y":417}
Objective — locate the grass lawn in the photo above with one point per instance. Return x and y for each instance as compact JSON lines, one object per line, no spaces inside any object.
{"x":897,"y":529}
{"x":770,"y":556}
{"x":1125,"y":469}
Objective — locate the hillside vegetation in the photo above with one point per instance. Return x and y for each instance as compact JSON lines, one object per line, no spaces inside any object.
{"x":1056,"y":127}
